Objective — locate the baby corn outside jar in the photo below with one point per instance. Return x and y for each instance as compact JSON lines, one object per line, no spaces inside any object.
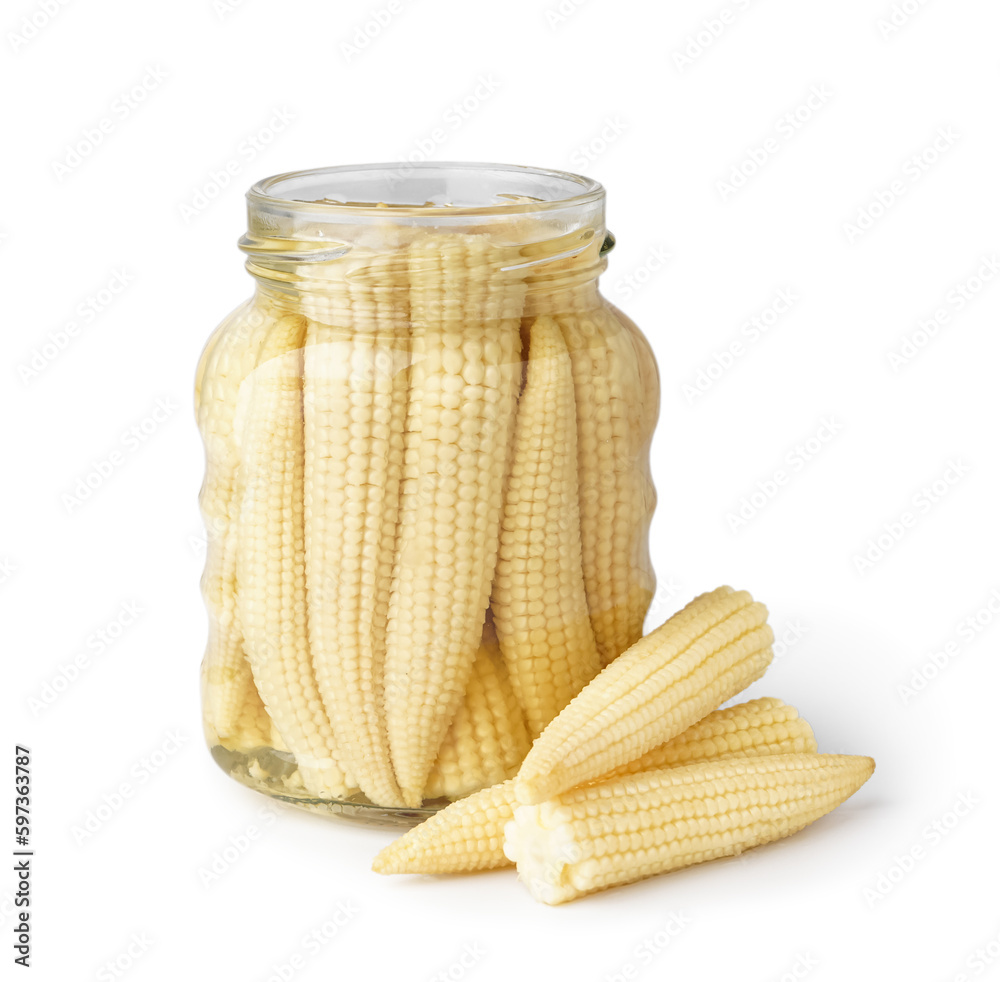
{"x":427,"y":491}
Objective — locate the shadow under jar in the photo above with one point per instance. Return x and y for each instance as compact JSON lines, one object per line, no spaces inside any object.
{"x":427,"y":493}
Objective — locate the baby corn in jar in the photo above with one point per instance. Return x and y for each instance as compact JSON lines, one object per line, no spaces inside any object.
{"x":427,"y":492}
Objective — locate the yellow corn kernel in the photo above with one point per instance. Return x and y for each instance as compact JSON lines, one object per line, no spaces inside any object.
{"x":488,"y":739}
{"x":701,"y":657}
{"x":465,"y":336}
{"x":271,"y":597}
{"x":616,"y":407}
{"x":355,"y":407}
{"x":539,"y":602}
{"x":466,"y":830}
{"x":233,"y":712}
{"x":630,"y":828}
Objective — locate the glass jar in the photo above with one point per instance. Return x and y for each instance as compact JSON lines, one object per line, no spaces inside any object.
{"x":427,"y":492}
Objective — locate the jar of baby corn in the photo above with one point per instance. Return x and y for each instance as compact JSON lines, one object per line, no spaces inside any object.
{"x":427,"y":492}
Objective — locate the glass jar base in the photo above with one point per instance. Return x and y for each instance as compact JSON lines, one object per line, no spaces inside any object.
{"x":271,"y":772}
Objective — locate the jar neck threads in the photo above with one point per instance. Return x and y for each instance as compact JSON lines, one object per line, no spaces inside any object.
{"x":320,"y":239}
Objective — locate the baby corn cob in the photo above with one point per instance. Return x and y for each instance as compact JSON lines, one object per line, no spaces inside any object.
{"x":468,"y":834}
{"x":643,"y":402}
{"x":630,"y":828}
{"x":705,"y":654}
{"x":235,"y":695}
{"x":539,"y":602}
{"x":617,"y":497}
{"x":233,"y":712}
{"x":488,"y":739}
{"x":355,"y":406}
{"x":617,"y":389}
{"x":751,"y":729}
{"x":271,"y":560}
{"x":465,"y":315}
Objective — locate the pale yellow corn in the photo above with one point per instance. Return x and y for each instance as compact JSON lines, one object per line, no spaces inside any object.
{"x":488,"y":739}
{"x":251,"y":727}
{"x":355,"y":407}
{"x":539,"y":601}
{"x":617,"y":389}
{"x":464,"y":837}
{"x":627,"y":829}
{"x":616,"y":408}
{"x":271,"y":596}
{"x":470,"y":831}
{"x":750,"y":729}
{"x":465,"y":372}
{"x":233,"y":712}
{"x":643,"y":400}
{"x":674,"y":676}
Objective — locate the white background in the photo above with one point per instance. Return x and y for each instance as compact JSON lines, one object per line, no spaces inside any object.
{"x":599,"y":90}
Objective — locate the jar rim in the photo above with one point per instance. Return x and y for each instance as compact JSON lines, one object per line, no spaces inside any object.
{"x":505,"y":189}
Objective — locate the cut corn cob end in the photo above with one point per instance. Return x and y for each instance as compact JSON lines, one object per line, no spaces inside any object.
{"x":621,"y":831}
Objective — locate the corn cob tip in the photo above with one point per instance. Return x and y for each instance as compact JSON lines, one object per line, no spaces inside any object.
{"x":464,"y":837}
{"x":387,"y":862}
{"x":412,"y":797}
{"x":808,"y":738}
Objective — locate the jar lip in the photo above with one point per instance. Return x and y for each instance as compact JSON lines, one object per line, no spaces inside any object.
{"x":316,"y":190}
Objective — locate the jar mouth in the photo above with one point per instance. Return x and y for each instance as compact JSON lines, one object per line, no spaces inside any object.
{"x":424,"y":191}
